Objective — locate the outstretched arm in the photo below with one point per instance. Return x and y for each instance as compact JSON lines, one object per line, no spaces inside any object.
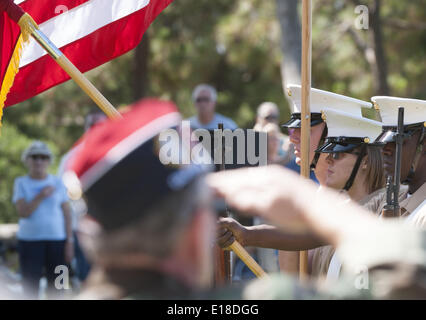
{"x":292,"y":203}
{"x":264,"y":236}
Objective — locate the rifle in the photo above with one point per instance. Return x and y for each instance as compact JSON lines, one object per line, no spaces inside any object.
{"x":223,"y":264}
{"x":388,"y":210}
{"x":223,"y":272}
{"x":392,"y":209}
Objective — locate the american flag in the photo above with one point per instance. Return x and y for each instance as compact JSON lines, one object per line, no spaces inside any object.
{"x":88,"y":32}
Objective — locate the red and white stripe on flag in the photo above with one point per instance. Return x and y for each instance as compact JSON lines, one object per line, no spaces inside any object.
{"x":88,"y":32}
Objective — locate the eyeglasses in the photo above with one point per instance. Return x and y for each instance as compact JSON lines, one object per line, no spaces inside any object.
{"x":39,"y":157}
{"x":202,"y":99}
{"x":271,"y":117}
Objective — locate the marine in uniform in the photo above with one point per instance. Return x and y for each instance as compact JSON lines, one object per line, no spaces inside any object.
{"x":413,"y":163}
{"x":355,"y":168}
{"x":267,"y":236}
{"x":383,"y":258}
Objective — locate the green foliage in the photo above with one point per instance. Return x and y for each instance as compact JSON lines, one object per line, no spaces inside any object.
{"x":337,"y":65}
{"x":12,"y":143}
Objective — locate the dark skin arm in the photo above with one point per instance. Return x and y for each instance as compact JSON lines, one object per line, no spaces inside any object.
{"x":264,"y":236}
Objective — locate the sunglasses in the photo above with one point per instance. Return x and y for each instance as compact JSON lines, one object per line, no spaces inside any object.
{"x":202,"y":99}
{"x":339,"y":155}
{"x":271,"y":117}
{"x":39,"y":157}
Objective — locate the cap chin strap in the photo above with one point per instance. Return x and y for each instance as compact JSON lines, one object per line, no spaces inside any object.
{"x":320,"y":143}
{"x":351,"y":179}
{"x":419,"y":151}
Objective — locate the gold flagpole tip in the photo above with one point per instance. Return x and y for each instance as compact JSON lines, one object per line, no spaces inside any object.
{"x":27,"y":25}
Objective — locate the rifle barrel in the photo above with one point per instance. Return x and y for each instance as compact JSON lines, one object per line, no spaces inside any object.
{"x":399,"y":141}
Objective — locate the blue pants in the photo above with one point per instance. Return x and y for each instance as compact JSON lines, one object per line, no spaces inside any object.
{"x":83,"y":266}
{"x":38,"y":258}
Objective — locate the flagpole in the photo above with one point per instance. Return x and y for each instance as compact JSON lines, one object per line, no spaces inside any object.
{"x":236,"y":247}
{"x":247,"y":259}
{"x":305,"y":112}
{"x":26,"y":22}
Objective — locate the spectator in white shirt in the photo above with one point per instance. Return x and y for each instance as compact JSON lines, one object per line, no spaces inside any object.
{"x":204,"y":97}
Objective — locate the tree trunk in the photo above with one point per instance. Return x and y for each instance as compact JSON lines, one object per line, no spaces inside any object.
{"x":381,"y":75}
{"x":291,"y":47}
{"x":140,"y":75}
{"x":372,"y":48}
{"x":291,"y":42}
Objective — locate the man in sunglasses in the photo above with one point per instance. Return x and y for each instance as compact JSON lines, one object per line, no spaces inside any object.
{"x":413,"y":162}
{"x":204,"y":97}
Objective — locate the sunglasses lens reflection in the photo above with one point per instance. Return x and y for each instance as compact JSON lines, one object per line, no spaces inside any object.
{"x":39,"y":157}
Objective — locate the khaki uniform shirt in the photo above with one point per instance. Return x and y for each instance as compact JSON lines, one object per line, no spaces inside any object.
{"x":395,"y":265}
{"x":377,"y":200}
{"x":322,"y":256}
{"x":410,"y":205}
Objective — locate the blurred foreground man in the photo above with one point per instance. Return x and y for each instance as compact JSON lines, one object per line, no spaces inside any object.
{"x":152,"y":222}
{"x":383,"y":259}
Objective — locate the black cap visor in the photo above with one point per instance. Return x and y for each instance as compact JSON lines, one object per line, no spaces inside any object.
{"x":386,"y":137}
{"x":341,"y":144}
{"x":388,"y":134}
{"x":296,"y":122}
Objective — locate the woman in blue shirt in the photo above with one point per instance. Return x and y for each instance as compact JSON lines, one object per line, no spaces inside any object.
{"x":45,"y":234}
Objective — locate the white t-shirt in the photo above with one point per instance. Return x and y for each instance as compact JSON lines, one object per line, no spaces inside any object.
{"x":218,"y":118}
{"x":47,"y":221}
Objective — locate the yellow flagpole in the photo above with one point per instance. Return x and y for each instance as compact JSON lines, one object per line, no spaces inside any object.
{"x":247,"y":259}
{"x":30,"y":27}
{"x":305,"y":113}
